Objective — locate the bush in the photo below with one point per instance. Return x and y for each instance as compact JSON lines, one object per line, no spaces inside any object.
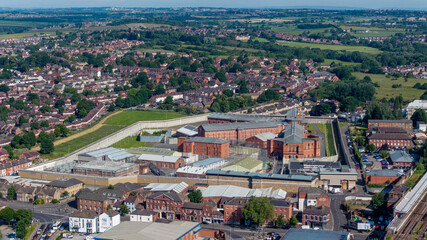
{"x":54,"y":201}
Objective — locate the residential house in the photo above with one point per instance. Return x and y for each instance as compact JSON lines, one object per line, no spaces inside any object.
{"x":167,"y":204}
{"x":48,"y":194}
{"x":316,"y":217}
{"x":144,"y":215}
{"x":107,"y":220}
{"x":83,"y":221}
{"x":69,"y":186}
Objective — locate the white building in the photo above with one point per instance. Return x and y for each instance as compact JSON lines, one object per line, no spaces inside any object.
{"x":108,"y":220}
{"x":83,"y":221}
{"x":143,"y":216}
{"x":413,"y":106}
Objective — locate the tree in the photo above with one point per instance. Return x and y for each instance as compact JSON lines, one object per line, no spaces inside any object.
{"x":124,"y":209}
{"x":195,"y":196}
{"x":378,"y":201}
{"x":258,"y":210}
{"x":293,"y":221}
{"x":21,"y":229}
{"x":371,"y":147}
{"x":228,"y":92}
{"x":46,"y":146}
{"x":109,"y":207}
{"x":4,"y":88}
{"x":384,"y":154}
{"x":24,"y":215}
{"x":58,"y":79}
{"x":11,"y":192}
{"x":44,"y":124}
{"x":7,"y":214}
{"x":54,"y":201}
{"x":4,"y":113}
{"x":280,"y":222}
{"x":22,"y":120}
{"x":111,"y":187}
{"x":61,"y":130}
{"x":419,"y":116}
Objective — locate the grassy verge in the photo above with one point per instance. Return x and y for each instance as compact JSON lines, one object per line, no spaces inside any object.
{"x":130,"y":117}
{"x":311,"y":128}
{"x":329,"y":139}
{"x":77,"y":143}
{"x":130,"y":142}
{"x":30,"y":230}
{"x":415,"y":177}
{"x":386,"y":90}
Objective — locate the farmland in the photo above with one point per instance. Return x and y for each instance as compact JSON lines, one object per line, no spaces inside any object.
{"x":386,"y":90}
{"x":332,"y":47}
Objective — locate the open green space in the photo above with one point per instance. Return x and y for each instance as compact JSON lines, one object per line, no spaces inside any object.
{"x":329,"y":139}
{"x":338,"y":62}
{"x":30,"y":230}
{"x":130,"y":117}
{"x":332,"y":47}
{"x":386,"y":90}
{"x":82,"y":141}
{"x":130,"y":142}
{"x":311,"y":128}
{"x":294,"y":30}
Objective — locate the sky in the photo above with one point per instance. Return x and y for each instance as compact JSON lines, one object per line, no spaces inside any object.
{"x":371,"y":4}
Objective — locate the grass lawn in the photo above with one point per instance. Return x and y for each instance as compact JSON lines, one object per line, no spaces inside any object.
{"x":343,"y":124}
{"x":30,"y":230}
{"x":332,"y":47}
{"x":130,"y":117}
{"x":129,"y":142}
{"x":311,"y":128}
{"x":71,"y":146}
{"x":293,"y":29}
{"x":386,"y":91}
{"x":329,"y":139}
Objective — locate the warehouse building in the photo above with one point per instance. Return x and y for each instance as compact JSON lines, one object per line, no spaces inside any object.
{"x":107,"y":154}
{"x":211,"y":163}
{"x":106,"y":168}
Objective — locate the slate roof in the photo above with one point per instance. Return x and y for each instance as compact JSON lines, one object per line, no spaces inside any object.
{"x":206,"y":140}
{"x":239,"y":125}
{"x":84,"y":214}
{"x":385,"y":173}
{"x":143,"y":212}
{"x":171,"y":195}
{"x":401,"y":157}
{"x":64,"y":183}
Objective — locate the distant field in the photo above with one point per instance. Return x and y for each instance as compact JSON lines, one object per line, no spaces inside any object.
{"x":127,"y":26}
{"x":293,"y":29}
{"x":130,"y":117}
{"x":30,"y":34}
{"x":385,"y":90}
{"x":130,"y":142}
{"x":372,"y":31}
{"x":329,"y":61}
{"x":333,"y":47}
{"x":75,"y":144}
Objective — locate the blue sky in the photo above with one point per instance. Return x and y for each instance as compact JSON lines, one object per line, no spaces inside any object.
{"x":407,"y":4}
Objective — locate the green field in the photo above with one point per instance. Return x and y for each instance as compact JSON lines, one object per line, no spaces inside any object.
{"x":129,"y":142}
{"x":71,"y":146}
{"x":338,"y":62}
{"x":130,"y":117}
{"x":386,"y":91}
{"x":311,"y":128}
{"x":329,"y":141}
{"x":332,"y":47}
{"x":294,"y":30}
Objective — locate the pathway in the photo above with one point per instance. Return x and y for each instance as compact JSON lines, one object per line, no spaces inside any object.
{"x":322,"y":141}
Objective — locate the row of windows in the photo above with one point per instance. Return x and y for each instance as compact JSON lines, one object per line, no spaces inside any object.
{"x":316,"y":218}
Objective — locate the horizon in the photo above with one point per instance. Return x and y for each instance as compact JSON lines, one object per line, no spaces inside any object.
{"x":420,"y":5}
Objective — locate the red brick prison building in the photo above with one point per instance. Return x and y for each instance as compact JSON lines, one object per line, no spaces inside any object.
{"x":294,"y":142}
{"x":239,"y":132}
{"x":162,"y":161}
{"x":390,"y":136}
{"x":235,"y":118}
{"x":210,"y":147}
{"x":403,"y":124}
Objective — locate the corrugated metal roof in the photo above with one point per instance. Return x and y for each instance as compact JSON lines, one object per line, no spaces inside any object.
{"x":261,"y":175}
{"x":412,"y":197}
{"x":158,"y":158}
{"x":112,"y":153}
{"x":207,"y":162}
{"x":206,"y":140}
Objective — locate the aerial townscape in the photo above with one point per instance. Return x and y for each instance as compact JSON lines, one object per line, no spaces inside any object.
{"x":196,"y":122}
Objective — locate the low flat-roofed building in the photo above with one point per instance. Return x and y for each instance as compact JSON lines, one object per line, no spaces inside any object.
{"x":211,"y":163}
{"x":384,"y":176}
{"x":191,"y":172}
{"x":107,"y":154}
{"x":179,"y":188}
{"x":106,"y":168}
{"x":332,"y":178}
{"x":247,"y":164}
{"x":309,"y":234}
{"x":215,"y":192}
{"x":143,"y":215}
{"x":164,"y":161}
{"x":152,"y":231}
{"x":402,"y":159}
{"x":187,"y":131}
